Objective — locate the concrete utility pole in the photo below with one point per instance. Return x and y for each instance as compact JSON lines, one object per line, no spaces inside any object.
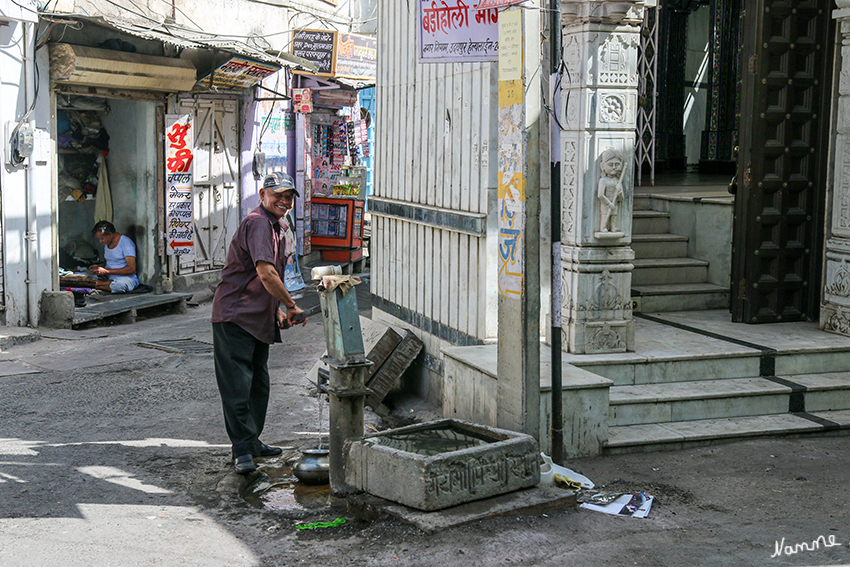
{"x":556,"y":431}
{"x":519,"y":219}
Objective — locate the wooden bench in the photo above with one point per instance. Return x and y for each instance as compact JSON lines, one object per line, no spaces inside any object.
{"x":58,"y":308}
{"x":127,"y":308}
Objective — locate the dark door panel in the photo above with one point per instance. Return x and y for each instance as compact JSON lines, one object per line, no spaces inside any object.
{"x":782,"y":161}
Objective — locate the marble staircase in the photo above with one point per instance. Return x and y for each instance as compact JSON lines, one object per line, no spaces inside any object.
{"x":752,"y":390}
{"x":694,"y":378}
{"x":665,"y":277}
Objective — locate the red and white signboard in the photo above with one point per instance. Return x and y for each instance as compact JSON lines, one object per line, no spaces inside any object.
{"x":179,"y":202}
{"x":451,"y":31}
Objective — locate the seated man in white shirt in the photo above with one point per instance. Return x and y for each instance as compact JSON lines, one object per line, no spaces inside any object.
{"x":120,"y":255}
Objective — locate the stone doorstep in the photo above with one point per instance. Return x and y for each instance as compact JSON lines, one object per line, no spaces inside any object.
{"x":841,"y":417}
{"x":668,"y":370}
{"x":659,"y":246}
{"x":679,"y":289}
{"x":683,"y":398}
{"x":628,"y":369}
{"x":659,"y":237}
{"x":822,"y":381}
{"x":654,"y":436}
{"x":695,"y":390}
{"x":659,"y":298}
{"x":526,"y":502}
{"x":650,"y":214}
{"x":650,"y":225}
{"x":656,"y":271}
{"x":730,"y":387}
{"x":689,"y":301}
{"x":690,"y":401}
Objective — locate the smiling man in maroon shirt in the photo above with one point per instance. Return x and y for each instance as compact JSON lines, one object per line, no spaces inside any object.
{"x":247,"y":317}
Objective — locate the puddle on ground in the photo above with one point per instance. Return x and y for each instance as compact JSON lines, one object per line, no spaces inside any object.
{"x":275,"y":488}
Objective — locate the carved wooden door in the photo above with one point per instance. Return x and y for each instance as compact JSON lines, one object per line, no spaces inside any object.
{"x":782,"y":160}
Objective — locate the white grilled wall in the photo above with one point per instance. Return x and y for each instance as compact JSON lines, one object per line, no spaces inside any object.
{"x":435,"y":146}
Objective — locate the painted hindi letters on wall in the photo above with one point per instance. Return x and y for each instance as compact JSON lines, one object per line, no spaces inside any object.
{"x":451,"y":31}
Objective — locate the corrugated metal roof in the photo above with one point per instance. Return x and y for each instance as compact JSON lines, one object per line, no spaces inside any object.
{"x":189,"y":39}
{"x":182,"y":37}
{"x":353,"y":83}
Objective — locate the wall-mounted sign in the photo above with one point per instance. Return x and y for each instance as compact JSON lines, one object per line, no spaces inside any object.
{"x":179,"y":201}
{"x":356,"y":56}
{"x":451,"y":31}
{"x":318,"y":46}
{"x":238,"y":74}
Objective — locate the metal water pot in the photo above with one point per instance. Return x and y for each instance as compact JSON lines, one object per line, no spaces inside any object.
{"x":313,"y":467}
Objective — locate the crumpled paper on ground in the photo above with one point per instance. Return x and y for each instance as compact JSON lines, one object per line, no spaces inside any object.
{"x":345,"y":283}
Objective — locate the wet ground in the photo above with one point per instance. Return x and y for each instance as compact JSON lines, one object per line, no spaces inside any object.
{"x":115,"y":454}
{"x":275,"y":488}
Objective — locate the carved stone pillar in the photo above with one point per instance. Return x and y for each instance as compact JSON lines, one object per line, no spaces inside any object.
{"x":598,"y":109}
{"x":835,"y":311}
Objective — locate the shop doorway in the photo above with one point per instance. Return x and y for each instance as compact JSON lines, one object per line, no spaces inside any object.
{"x":107,"y":169}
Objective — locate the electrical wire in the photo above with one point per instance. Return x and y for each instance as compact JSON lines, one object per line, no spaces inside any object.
{"x":73,"y":24}
{"x":342,"y":21}
{"x":265,"y":125}
{"x":173,"y":5}
{"x":14,"y":134}
{"x":175,"y":28}
{"x":562,"y":66}
{"x":21,"y":6}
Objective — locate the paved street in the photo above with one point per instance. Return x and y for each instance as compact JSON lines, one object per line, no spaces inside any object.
{"x":115,"y":454}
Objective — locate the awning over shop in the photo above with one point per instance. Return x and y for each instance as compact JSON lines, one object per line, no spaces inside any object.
{"x":189,"y":39}
{"x":90,"y":66}
{"x":243,"y":65}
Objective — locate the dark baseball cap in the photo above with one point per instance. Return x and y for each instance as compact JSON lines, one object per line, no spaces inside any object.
{"x":279,"y":182}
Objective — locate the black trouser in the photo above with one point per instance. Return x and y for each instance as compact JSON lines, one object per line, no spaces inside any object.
{"x":242,"y":373}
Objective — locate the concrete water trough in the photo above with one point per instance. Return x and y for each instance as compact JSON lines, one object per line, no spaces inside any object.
{"x":442,"y":463}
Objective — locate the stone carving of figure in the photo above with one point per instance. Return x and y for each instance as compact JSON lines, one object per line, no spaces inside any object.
{"x":610,"y":190}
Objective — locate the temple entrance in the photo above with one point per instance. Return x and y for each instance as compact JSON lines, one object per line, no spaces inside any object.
{"x":748,"y":79}
{"x":783,"y":163}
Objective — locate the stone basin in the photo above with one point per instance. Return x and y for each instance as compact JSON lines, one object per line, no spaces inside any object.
{"x":441,"y":463}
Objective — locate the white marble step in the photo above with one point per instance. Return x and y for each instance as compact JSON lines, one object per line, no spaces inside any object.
{"x":641,"y":203}
{"x":650,"y":222}
{"x":664,"y":245}
{"x":659,"y":416}
{"x":825,"y":391}
{"x":674,"y":435}
{"x":653,"y":271}
{"x":679,"y":297}
{"x":701,"y":399}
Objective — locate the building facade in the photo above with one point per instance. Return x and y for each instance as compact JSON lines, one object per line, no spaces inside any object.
{"x":92,"y":86}
{"x":436,"y":198}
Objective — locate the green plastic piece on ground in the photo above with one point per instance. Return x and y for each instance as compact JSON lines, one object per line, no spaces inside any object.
{"x":314,"y":525}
